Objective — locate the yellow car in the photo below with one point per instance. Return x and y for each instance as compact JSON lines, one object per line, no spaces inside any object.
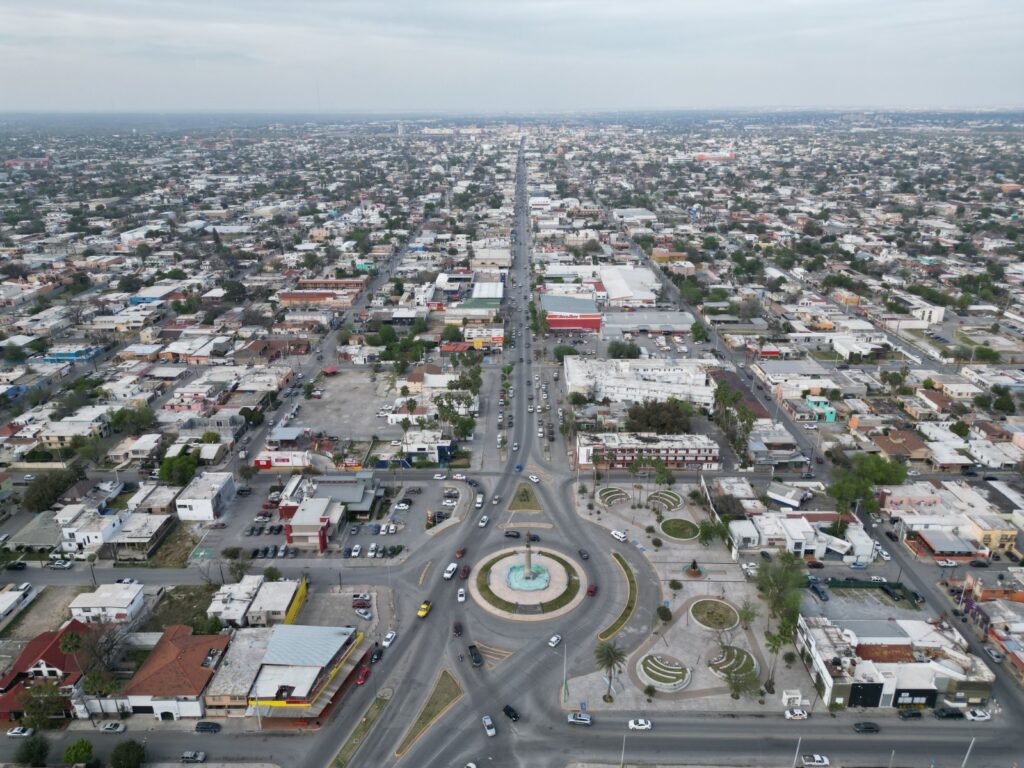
{"x":424,"y":609}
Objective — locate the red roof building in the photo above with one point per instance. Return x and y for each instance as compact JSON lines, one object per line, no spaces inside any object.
{"x":41,"y":661}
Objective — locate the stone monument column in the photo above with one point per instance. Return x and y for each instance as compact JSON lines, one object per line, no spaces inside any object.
{"x":528,"y":569}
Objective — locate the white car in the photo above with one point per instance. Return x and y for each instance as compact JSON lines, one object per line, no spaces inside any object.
{"x":461,"y":596}
{"x":978,"y":715}
{"x":913,"y":473}
{"x":815,"y":761}
{"x":946,"y":563}
{"x":534,"y":479}
{"x":810,"y":426}
{"x":357,"y":550}
{"x":640,"y":725}
{"x":450,"y":503}
{"x":113,"y":727}
{"x":449,"y":572}
{"x":489,"y":728}
{"x":392,"y":529}
{"x":483,"y":521}
{"x":401,"y":506}
{"x":618,"y":535}
{"x":458,"y":476}
{"x":796,"y":714}
{"x":884,"y":555}
{"x":389,"y":638}
{"x":554,"y":641}
{"x":440,"y":476}
{"x":20,"y":732}
{"x":61,"y":565}
{"x":879,"y":579}
{"x":529,"y":409}
{"x":363,"y":613}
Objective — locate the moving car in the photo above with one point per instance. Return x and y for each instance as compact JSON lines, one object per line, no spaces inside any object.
{"x":554,"y":641}
{"x":20,"y":732}
{"x":440,"y":476}
{"x":866,"y":728}
{"x":510,"y":713}
{"x":584,"y":555}
{"x":61,"y":565}
{"x":513,"y":535}
{"x":640,"y":725}
{"x":363,"y":676}
{"x":424,"y":609}
{"x":389,"y":638}
{"x":113,"y":727}
{"x":618,"y":535}
{"x":489,"y":728}
{"x":814,"y":760}
{"x":978,"y":715}
{"x":449,"y":572}
{"x":580,"y":718}
{"x":534,"y":479}
{"x":483,"y":521}
{"x":461,"y":595}
{"x":207,"y":726}
{"x":193,"y":757}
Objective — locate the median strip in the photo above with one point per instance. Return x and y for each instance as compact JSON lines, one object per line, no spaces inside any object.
{"x":446,"y":692}
{"x":360,"y":732}
{"x":627,"y":611}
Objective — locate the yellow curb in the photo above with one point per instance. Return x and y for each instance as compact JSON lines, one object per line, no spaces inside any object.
{"x":601,"y":636}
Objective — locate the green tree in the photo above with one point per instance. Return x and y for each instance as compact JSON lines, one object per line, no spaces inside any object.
{"x":699,"y":332}
{"x":209,"y":438}
{"x":247,"y":471}
{"x":128,"y":754}
{"x":79,"y":751}
{"x":623,"y":350}
{"x":271,"y":573}
{"x":451,"y":333}
{"x":133,"y":421}
{"x":610,"y":659}
{"x":70,"y":643}
{"x":742,"y":683}
{"x":562,"y":351}
{"x":46,"y":489}
{"x":33,"y":751}
{"x":41,"y":704}
{"x":577,"y":399}
{"x":960,"y":429}
{"x":14,"y":354}
{"x":234,"y":292}
{"x":179,"y":470}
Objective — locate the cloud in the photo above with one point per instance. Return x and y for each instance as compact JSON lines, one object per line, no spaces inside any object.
{"x":508,"y":55}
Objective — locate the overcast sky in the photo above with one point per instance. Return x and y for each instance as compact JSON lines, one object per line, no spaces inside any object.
{"x":507,"y":55}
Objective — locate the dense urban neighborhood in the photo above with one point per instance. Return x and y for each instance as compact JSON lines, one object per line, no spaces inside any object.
{"x":631,"y":439}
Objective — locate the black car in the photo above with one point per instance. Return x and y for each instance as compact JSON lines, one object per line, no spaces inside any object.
{"x":979,"y":563}
{"x":891,"y":536}
{"x":533,"y":537}
{"x":766,"y":555}
{"x":910,"y":714}
{"x":376,"y":655}
{"x":510,"y":713}
{"x":206,"y":726}
{"x":346,"y":552}
{"x":473,"y":482}
{"x":16,"y":565}
{"x":948,"y":713}
{"x":513,"y":535}
{"x":866,"y":728}
{"x":584,"y":555}
{"x":457,"y":629}
{"x":256,"y":553}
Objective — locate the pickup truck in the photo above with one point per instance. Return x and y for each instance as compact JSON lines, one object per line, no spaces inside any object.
{"x":814,"y":761}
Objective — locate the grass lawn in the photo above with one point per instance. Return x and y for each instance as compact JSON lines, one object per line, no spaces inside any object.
{"x":715,"y":614}
{"x":446,"y":692}
{"x":359,"y":733}
{"x":627,"y":610}
{"x":121,"y":502}
{"x":678,"y":528}
{"x":524,"y":499}
{"x":174,"y":552}
{"x":181,"y":605}
{"x":572,"y":587}
{"x":481,"y":582}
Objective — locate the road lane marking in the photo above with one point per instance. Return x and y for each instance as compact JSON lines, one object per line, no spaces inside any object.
{"x":423,"y":573}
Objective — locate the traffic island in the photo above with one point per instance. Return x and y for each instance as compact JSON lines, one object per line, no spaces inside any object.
{"x":502,"y":586}
{"x":446,"y":692}
{"x":525,"y":499}
{"x":714,"y":614}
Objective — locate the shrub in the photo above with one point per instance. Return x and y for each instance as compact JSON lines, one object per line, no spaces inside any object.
{"x":675,"y":585}
{"x":789,"y":657}
{"x":650,"y":691}
{"x":33,"y":751}
{"x":128,"y":754}
{"x":664,"y":613}
{"x":656,"y":542}
{"x":649,"y":529}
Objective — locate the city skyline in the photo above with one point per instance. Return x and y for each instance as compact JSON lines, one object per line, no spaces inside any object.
{"x":539,"y":57}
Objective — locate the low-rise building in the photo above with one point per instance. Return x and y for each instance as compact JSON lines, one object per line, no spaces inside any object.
{"x":109,"y":603}
{"x":231,"y":601}
{"x":206,"y":497}
{"x":276,"y":602}
{"x":314,"y":523}
{"x":618,"y":450}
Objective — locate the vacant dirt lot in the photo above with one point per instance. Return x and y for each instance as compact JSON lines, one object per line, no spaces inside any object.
{"x":47,"y":612}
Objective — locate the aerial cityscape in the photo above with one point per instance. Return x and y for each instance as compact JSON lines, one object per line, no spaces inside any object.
{"x":658,"y":434}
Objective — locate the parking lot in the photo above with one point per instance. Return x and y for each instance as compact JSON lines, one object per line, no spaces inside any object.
{"x":332,"y":605}
{"x":349,"y":407}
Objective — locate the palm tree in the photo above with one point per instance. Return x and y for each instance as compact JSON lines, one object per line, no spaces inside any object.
{"x":610,"y":659}
{"x":70,"y":643}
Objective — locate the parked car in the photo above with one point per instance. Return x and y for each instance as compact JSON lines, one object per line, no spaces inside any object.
{"x":363,"y":676}
{"x":193,"y":757}
{"x":509,"y":711}
{"x":909,"y":714}
{"x":389,"y":638}
{"x":113,"y":727}
{"x":207,"y":726}
{"x":489,"y":728}
{"x":20,"y":732}
{"x":796,"y":714}
{"x":948,"y":713}
{"x":978,"y":715}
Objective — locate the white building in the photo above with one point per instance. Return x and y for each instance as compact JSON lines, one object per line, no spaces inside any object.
{"x":640,"y":380}
{"x":231,"y":601}
{"x":83,"y":530}
{"x":620,"y":449}
{"x":206,"y":496}
{"x":109,"y":604}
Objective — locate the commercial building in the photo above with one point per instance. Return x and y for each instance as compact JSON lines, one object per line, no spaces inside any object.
{"x":639,"y":380}
{"x":570,"y":314}
{"x":231,"y":602}
{"x":313,"y":524}
{"x":617,"y":450}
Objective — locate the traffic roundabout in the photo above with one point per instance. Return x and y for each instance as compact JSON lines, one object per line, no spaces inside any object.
{"x":527,"y":584}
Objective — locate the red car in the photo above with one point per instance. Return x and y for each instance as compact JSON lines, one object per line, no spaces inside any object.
{"x":464,"y":571}
{"x":460,"y":552}
{"x":364,"y":673}
{"x":592,"y":590}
